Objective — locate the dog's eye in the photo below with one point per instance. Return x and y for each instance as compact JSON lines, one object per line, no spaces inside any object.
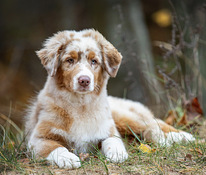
{"x":70,"y":60}
{"x":93,"y":62}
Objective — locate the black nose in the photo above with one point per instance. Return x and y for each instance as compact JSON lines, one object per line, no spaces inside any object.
{"x":84,"y":81}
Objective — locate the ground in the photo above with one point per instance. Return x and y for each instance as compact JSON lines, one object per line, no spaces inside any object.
{"x":148,"y":158}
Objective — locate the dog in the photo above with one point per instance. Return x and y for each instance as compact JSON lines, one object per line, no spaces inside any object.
{"x":72,"y":114}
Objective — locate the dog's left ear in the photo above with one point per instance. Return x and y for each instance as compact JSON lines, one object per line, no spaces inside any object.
{"x":111,"y":57}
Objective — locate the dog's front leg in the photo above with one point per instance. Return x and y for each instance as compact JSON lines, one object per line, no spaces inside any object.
{"x":54,"y":153}
{"x":114,"y":150}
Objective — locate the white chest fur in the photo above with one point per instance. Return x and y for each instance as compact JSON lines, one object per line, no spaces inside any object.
{"x":87,"y":133}
{"x":90,"y":126}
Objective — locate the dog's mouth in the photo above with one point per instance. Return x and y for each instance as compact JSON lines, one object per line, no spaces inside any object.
{"x":83,"y":90}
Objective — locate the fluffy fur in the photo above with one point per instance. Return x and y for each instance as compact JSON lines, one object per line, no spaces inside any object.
{"x":73,"y":113}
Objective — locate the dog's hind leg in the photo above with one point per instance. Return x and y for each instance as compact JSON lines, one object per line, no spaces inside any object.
{"x":141,"y":121}
{"x":173,"y":135}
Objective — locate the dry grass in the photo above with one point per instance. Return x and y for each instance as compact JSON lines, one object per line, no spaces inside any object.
{"x":179,"y":159}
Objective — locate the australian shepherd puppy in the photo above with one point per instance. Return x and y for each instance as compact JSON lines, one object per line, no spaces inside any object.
{"x":73,"y":113}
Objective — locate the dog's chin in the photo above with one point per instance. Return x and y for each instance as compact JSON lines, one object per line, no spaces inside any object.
{"x":82,"y":90}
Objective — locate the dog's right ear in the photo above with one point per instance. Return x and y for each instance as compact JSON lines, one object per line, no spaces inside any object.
{"x":51,"y":51}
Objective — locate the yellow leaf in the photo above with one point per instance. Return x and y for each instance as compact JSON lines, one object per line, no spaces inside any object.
{"x":146,"y":148}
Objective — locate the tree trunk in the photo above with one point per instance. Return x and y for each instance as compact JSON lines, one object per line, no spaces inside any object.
{"x":136,"y":79}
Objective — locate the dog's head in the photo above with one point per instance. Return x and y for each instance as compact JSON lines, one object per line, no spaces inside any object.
{"x":80,"y":61}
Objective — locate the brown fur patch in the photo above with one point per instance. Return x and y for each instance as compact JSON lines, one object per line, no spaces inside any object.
{"x":68,"y":77}
{"x":64,"y":79}
{"x":60,"y":79}
{"x":122,"y":123}
{"x":167,"y":128}
{"x":61,"y":113}
{"x":74,"y":55}
{"x":114,"y":57}
{"x":44,"y":131}
{"x":88,"y":34}
{"x":91,"y":55}
{"x":50,"y":140}
{"x":98,"y":81}
{"x":49,"y":146}
{"x":53,"y":140}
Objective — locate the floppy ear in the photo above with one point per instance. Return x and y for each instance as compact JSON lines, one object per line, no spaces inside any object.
{"x":51,"y":63}
{"x":111,"y":57}
{"x":50,"y":53}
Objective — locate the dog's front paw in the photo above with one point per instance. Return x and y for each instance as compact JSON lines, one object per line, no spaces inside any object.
{"x":114,"y":150}
{"x":64,"y":159}
{"x":116,"y":156}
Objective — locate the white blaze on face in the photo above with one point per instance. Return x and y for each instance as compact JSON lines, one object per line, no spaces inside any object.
{"x":84,"y":72}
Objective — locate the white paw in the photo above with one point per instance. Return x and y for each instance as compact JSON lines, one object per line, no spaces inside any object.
{"x":64,"y":159}
{"x":177,"y":137}
{"x":114,"y":150}
{"x":116,"y":156}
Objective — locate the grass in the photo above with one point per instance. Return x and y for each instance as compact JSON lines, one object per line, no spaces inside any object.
{"x":179,"y":159}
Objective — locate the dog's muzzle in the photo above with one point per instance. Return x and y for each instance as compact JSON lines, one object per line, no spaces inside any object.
{"x":84,"y":81}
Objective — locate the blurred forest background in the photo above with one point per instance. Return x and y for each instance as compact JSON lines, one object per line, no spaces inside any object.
{"x":163,"y":43}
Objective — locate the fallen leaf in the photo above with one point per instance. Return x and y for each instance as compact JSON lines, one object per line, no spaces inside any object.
{"x":196,"y":106}
{"x":171,"y":117}
{"x":193,"y":109}
{"x":183,"y":120}
{"x":146,"y":148}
